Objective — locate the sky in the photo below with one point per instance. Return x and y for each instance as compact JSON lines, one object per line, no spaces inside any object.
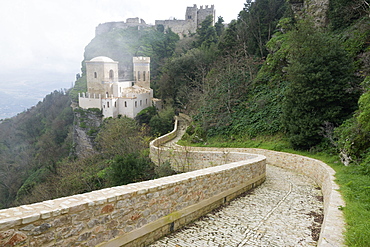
{"x":42,"y":41}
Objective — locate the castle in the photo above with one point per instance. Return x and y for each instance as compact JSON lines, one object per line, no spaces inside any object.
{"x":114,"y":97}
{"x":194,"y":16}
{"x":130,"y":22}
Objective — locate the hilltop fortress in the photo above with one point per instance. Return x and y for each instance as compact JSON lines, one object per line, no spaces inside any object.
{"x":194,"y":16}
{"x":117,"y":97}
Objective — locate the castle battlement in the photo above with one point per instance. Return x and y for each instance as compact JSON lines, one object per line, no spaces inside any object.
{"x":141,"y":59}
{"x":114,"y":97}
{"x":194,"y":16}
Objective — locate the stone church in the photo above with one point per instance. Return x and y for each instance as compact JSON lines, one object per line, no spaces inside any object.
{"x":115,"y":97}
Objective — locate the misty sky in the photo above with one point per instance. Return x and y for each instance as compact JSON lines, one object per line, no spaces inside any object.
{"x":42,"y":41}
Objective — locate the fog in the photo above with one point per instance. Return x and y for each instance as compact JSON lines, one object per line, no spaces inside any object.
{"x":42,"y":41}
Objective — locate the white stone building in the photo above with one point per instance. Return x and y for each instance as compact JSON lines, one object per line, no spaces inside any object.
{"x":114,"y":97}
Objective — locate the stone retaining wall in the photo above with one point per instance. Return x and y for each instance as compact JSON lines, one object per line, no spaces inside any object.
{"x":333,"y":225}
{"x":142,"y":212}
{"x":134,"y":214}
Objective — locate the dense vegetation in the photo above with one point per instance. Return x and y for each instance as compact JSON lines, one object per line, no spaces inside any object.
{"x":271,"y":74}
{"x":32,"y":143}
{"x":275,"y":75}
{"x":37,"y":147}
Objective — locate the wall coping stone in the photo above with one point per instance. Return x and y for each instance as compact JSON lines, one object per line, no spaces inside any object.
{"x":333,"y":226}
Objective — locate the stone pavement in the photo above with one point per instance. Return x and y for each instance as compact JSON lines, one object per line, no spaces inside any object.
{"x":286,"y":210}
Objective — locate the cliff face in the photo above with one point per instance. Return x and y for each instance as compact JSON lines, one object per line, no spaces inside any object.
{"x":316,"y":9}
{"x":86,"y":126}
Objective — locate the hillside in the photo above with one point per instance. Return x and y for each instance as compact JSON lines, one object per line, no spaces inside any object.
{"x":281,"y":71}
{"x":40,"y":157}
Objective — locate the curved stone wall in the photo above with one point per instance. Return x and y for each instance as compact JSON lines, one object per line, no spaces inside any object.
{"x":140,"y":213}
{"x":134,"y":214}
{"x":333,"y":226}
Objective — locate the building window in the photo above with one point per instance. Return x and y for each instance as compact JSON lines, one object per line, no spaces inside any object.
{"x":189,"y":16}
{"x":144,"y":79}
{"x":141,"y":102}
{"x":138,"y":75}
{"x":115,"y":104}
{"x":107,"y":104}
{"x":95,"y":75}
{"x":146,"y":101}
{"x":111,"y":75}
{"x":125,"y":103}
{"x":135,"y":103}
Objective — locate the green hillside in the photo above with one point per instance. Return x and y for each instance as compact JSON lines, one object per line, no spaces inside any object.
{"x":272,"y":78}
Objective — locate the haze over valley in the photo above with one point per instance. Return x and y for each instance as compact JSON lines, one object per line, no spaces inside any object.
{"x":43,"y":42}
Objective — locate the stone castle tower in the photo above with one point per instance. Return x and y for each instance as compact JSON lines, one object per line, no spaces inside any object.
{"x":194,"y":16}
{"x":117,"y":97}
{"x":142,"y":71}
{"x":199,"y":15}
{"x":100,"y":71}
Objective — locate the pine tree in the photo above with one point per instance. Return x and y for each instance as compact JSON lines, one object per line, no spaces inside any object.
{"x":322,"y":89}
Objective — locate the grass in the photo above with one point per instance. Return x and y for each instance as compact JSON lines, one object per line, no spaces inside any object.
{"x":354,"y":184}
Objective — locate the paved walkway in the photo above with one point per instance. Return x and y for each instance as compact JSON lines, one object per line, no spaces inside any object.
{"x":286,"y":210}
{"x":283,"y":211}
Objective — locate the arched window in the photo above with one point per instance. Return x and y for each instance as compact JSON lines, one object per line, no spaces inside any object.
{"x":135,"y":103}
{"x":138,"y":75}
{"x":125,"y":103}
{"x":141,"y":102}
{"x":144,"y":79}
{"x":111,"y":75}
{"x":146,"y":101}
{"x":95,"y":75}
{"x":108,"y":104}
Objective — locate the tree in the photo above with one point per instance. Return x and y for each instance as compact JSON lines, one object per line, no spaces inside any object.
{"x":162,"y":123}
{"x":354,"y":134}
{"x":183,"y":73}
{"x":219,"y":26}
{"x":207,"y":34}
{"x":257,"y":22}
{"x":322,"y":88}
{"x":120,"y":136}
{"x":343,"y":13}
{"x":128,"y":169}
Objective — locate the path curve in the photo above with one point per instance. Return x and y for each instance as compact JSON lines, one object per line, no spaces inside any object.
{"x":286,"y":210}
{"x":283,"y":211}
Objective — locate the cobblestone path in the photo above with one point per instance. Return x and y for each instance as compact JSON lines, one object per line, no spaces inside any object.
{"x":286,"y":210}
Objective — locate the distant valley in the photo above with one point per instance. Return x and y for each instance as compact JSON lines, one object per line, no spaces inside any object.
{"x":16,"y":97}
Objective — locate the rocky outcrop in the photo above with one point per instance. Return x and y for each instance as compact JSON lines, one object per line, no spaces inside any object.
{"x":315,"y":9}
{"x":86,"y":126}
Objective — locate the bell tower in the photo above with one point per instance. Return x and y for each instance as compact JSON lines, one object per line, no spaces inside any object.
{"x":142,"y":71}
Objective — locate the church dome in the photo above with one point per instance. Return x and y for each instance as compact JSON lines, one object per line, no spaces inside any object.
{"x":102,"y":59}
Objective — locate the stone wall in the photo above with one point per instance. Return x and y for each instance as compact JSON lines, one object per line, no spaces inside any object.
{"x":137,"y":214}
{"x":333,"y":225}
{"x":134,"y":214}
{"x":130,"y":23}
